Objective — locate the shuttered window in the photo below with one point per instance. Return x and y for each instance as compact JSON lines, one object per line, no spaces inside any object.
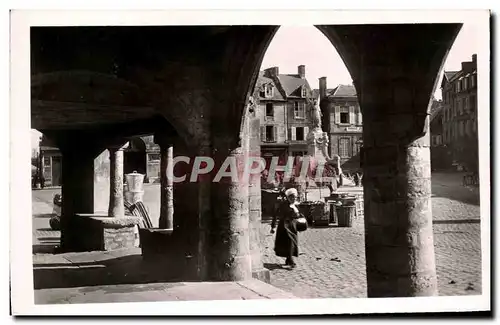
{"x":352,"y":117}
{"x":299,"y":111}
{"x":269,"y":133}
{"x":344,"y":145}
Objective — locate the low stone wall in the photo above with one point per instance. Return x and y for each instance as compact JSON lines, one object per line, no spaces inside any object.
{"x":103,"y":233}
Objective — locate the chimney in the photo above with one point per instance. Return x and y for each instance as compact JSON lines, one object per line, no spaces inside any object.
{"x":272,"y":72}
{"x":322,"y":88}
{"x":301,"y":69}
{"x":474,"y":58}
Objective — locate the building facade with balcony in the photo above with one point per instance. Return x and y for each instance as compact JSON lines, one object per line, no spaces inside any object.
{"x":459,"y":96}
{"x":283,"y":106}
{"x":343,"y":121}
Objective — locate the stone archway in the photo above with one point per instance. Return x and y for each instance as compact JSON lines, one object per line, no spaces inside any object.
{"x":135,"y":157}
{"x":394,"y":67}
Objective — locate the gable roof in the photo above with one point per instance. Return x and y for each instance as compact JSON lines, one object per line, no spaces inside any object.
{"x":449,"y":74}
{"x":261,"y":80}
{"x":292,"y":84}
{"x":344,"y":91}
{"x":329,"y":91}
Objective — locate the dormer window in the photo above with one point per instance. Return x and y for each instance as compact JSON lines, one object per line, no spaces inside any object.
{"x":304,"y":92}
{"x":269,"y":90}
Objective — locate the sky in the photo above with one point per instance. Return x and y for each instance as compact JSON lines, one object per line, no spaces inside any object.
{"x":293,"y":46}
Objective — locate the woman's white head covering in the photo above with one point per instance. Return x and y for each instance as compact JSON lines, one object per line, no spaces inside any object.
{"x":291,"y":191}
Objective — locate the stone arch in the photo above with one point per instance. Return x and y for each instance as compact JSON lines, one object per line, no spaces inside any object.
{"x":135,"y":156}
{"x":93,"y":98}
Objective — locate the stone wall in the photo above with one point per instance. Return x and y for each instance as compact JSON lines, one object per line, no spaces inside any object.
{"x":116,"y":238}
{"x":104,"y":233}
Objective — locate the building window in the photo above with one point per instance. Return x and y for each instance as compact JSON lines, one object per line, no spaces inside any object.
{"x":46,"y":161}
{"x":473,"y":81}
{"x":270,"y":133}
{"x":304,"y":92}
{"x":299,"y":110}
{"x":344,"y":117}
{"x":465,"y":83}
{"x":269,"y":111}
{"x":267,"y":91}
{"x":472,"y":103}
{"x":344,"y":145}
{"x":299,"y":133}
{"x":458,"y":86}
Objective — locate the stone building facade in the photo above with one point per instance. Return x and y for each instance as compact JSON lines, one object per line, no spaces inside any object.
{"x":441,"y":157}
{"x":283,"y":106}
{"x":459,"y":93}
{"x":142,"y":155}
{"x":343,"y":121}
{"x":51,"y":162}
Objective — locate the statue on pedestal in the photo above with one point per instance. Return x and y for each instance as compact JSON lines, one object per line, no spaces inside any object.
{"x":318,"y":145}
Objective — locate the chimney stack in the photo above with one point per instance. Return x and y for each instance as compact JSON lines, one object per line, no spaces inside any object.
{"x":474,"y":58}
{"x":302,"y":71}
{"x":272,"y":72}
{"x":322,"y":88}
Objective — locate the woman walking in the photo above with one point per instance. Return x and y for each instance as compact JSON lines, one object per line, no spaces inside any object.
{"x":286,"y":244}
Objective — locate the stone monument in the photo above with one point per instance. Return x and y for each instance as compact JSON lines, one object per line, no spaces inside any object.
{"x":317,"y":143}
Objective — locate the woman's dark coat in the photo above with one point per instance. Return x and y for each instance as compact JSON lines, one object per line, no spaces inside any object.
{"x":286,"y":244}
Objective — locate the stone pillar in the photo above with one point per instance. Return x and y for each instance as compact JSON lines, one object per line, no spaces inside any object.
{"x":398,"y":218}
{"x":394,"y":84}
{"x":228,"y":252}
{"x":77,"y":192}
{"x":116,"y":200}
{"x":166,"y":178}
{"x":255,"y":205}
{"x":193,"y":213}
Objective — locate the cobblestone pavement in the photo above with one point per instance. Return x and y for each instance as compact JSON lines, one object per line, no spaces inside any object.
{"x":332,"y":262}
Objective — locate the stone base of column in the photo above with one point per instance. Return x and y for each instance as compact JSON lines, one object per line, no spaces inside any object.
{"x":102,"y":233}
{"x":262,"y":275}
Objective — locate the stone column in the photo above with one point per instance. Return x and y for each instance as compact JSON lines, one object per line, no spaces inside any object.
{"x":193,"y":213}
{"x":255,"y":204}
{"x":116,"y":200}
{"x":228,"y":252}
{"x":394,"y":83}
{"x":77,"y":192}
{"x":166,"y":178}
{"x":398,"y":218}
